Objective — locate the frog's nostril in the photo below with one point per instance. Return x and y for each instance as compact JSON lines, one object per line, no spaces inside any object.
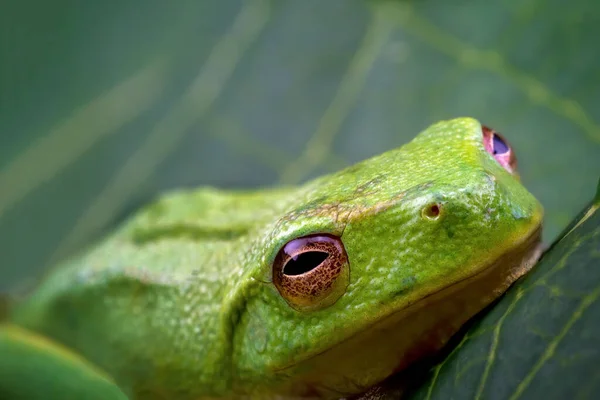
{"x":432,"y":211}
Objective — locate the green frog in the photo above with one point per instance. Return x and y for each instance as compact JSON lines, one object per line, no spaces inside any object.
{"x":318,"y":291}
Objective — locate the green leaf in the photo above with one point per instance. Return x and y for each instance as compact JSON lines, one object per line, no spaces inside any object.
{"x":34,"y":368}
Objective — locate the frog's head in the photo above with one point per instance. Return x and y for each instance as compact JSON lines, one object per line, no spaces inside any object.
{"x":381,"y":263}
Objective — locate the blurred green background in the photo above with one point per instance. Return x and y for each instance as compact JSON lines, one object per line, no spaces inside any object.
{"x":105,"y":104}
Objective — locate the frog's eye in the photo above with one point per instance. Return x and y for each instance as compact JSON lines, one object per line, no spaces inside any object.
{"x":499,"y":148}
{"x":311,"y":272}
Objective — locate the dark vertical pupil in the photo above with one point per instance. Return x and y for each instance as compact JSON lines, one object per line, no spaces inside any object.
{"x":304,"y":262}
{"x":500,"y":147}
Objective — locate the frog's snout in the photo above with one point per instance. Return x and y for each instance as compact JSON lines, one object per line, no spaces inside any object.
{"x":463,"y":206}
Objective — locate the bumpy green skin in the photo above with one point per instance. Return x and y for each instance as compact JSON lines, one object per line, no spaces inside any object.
{"x":179,"y":302}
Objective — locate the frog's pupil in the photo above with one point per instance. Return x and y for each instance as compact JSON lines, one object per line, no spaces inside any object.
{"x":500,"y":147}
{"x":304,"y":262}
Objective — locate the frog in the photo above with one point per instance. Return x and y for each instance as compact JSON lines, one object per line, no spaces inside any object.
{"x":320,"y":290}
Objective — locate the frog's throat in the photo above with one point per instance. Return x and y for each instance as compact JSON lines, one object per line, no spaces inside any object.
{"x":420,"y":329}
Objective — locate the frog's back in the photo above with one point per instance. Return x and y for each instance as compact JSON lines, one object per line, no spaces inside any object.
{"x":143,"y":303}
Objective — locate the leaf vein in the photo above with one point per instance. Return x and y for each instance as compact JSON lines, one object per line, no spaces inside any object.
{"x":318,"y":146}
{"x":47,"y":156}
{"x":551,"y":348}
{"x":171,"y":129}
{"x":438,"y":368}
{"x":494,"y":345}
{"x":492,"y":61}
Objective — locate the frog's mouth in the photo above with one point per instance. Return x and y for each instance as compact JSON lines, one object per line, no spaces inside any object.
{"x":406,"y":334}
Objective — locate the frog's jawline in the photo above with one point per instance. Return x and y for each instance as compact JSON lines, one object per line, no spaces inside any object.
{"x":420,"y":328}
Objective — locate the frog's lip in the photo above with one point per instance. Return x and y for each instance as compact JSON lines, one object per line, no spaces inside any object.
{"x":520,"y":257}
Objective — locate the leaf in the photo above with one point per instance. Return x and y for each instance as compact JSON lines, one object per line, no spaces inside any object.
{"x":541,"y":340}
{"x":33,"y":367}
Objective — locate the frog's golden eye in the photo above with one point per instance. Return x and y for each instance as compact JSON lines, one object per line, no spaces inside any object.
{"x":499,"y":148}
{"x":311,"y":272}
